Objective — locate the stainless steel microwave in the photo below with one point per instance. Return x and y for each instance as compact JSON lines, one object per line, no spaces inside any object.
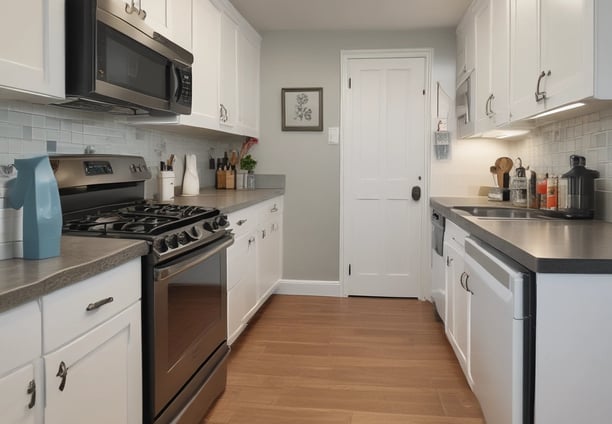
{"x":116,"y":63}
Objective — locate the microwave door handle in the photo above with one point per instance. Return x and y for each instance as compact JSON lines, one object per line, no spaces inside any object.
{"x":183,"y":265}
{"x":176,"y":83}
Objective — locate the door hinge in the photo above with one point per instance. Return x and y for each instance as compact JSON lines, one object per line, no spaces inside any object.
{"x":349,"y":269}
{"x":423,"y":92}
{"x":349,"y":82}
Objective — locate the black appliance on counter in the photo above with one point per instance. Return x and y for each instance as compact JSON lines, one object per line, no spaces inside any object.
{"x":184,"y":287}
{"x":116,"y":63}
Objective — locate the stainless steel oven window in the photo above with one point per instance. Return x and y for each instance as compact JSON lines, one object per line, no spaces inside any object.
{"x":190,"y":316}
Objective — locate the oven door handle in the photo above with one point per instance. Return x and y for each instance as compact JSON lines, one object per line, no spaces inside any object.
{"x":184,"y":265}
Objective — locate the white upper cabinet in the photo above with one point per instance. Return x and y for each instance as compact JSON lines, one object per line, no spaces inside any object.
{"x":171,"y":18}
{"x":205,"y":70}
{"x":559,"y":53}
{"x":228,"y":77}
{"x":499,"y":105}
{"x":491,"y":106}
{"x":226,"y":51}
{"x":248,"y":63}
{"x":239,"y":74}
{"x":32,"y":50}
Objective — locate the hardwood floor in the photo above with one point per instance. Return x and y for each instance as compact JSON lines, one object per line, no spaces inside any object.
{"x":324,"y":360}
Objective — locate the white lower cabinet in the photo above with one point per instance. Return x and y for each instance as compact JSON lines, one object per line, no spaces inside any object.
{"x":21,"y":401}
{"x":96,"y":378}
{"x":242,"y":287}
{"x":269,"y":254}
{"x":254,"y":262}
{"x":457,"y":325}
{"x":75,"y":354}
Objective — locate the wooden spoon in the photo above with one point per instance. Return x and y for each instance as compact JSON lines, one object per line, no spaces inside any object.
{"x":503,"y":165}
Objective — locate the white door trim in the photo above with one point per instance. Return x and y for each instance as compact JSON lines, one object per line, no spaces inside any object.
{"x":427,"y":54}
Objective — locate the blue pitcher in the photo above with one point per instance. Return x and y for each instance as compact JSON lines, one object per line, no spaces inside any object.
{"x":35,"y":188}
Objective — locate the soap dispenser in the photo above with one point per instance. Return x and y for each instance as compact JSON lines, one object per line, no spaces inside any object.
{"x":35,"y":188}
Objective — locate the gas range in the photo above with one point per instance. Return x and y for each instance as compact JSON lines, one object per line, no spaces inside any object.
{"x":171,"y":229}
{"x":102,"y":195}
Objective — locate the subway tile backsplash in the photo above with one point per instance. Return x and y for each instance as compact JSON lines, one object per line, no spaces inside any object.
{"x":28,"y":129}
{"x":548,"y":148}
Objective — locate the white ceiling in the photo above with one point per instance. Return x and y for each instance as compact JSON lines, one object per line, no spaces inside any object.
{"x":271,"y":15}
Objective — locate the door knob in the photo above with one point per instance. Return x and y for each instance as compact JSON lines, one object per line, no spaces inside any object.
{"x":416,"y":193}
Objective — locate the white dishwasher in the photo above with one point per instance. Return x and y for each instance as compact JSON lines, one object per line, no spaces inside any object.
{"x":501,"y":334}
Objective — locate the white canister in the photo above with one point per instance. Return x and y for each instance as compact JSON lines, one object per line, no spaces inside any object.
{"x":165,"y":182}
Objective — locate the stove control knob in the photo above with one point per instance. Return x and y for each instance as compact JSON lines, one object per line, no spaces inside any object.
{"x":195,"y":232}
{"x":183,"y":238}
{"x":208,"y":227}
{"x":215,"y":225}
{"x":160,"y":245}
{"x":222,"y":220}
{"x":172,"y":241}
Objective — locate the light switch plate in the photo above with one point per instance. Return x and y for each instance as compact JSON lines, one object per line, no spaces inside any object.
{"x":333,"y":135}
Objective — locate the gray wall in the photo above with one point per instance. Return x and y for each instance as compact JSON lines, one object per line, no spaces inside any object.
{"x":312,"y":167}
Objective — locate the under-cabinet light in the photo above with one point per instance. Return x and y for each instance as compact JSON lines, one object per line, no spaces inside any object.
{"x":559,"y":109}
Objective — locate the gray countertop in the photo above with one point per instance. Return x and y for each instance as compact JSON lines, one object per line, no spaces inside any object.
{"x":81,"y":258}
{"x":546,"y":246}
{"x":229,"y":200}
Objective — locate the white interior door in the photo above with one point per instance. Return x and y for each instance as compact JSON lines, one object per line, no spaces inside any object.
{"x":383,"y":160}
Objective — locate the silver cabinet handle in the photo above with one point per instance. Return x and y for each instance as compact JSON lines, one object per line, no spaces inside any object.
{"x":488,"y":109}
{"x":541,"y":95}
{"x":263,"y":234}
{"x":32,"y":392}
{"x":241,"y":222}
{"x":62,"y":373}
{"x":131,"y":8}
{"x":223,"y":112}
{"x":274,"y":209}
{"x":449,"y":260}
{"x":99,"y":303}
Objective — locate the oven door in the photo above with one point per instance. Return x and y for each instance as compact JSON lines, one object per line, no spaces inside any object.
{"x":190,"y":316}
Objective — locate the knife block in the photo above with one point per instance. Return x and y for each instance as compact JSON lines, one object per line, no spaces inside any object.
{"x":226,"y":179}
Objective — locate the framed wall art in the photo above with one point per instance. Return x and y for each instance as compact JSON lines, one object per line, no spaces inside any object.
{"x":302,"y":109}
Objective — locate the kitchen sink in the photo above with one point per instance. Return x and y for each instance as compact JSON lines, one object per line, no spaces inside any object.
{"x":489,"y":212}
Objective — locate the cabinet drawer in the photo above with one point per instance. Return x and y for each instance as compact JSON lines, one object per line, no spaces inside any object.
{"x":455,"y":233}
{"x":240,"y":256}
{"x":243,"y":221}
{"x":20,"y":333}
{"x":64,"y":312}
{"x":270,"y":209}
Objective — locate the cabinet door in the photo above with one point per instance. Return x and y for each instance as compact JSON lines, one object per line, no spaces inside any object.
{"x":21,"y":395}
{"x":500,"y":61}
{"x":228,"y":76}
{"x":102,"y":380}
{"x":458,"y":307}
{"x":32,"y":52}
{"x":206,"y":56}
{"x":171,"y":18}
{"x":248,"y":85}
{"x":482,"y":28}
{"x":242,"y":296}
{"x":567,"y":31}
{"x":524,"y":58}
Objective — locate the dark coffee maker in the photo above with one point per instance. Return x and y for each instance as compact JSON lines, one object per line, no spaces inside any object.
{"x":577,"y":200}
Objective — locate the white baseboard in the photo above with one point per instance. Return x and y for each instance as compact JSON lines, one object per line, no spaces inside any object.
{"x":309,"y":288}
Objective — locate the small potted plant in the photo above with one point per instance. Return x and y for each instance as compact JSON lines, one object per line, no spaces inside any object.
{"x":248,"y":163}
